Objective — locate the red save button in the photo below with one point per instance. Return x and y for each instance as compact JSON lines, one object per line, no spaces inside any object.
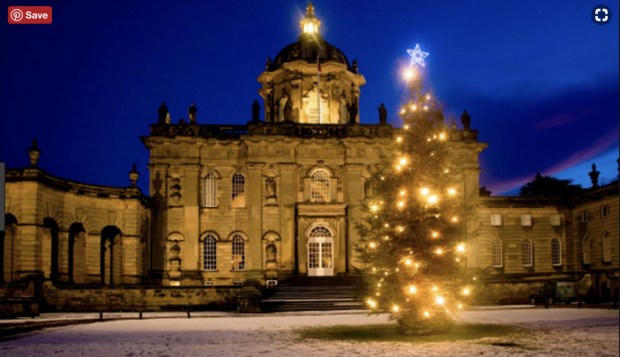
{"x":30,"y":15}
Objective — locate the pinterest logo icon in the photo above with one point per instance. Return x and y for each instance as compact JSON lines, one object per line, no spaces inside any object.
{"x":17,"y":15}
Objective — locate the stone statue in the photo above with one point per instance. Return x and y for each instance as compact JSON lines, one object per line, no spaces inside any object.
{"x":382,"y":114}
{"x":255,"y":111}
{"x":271,"y":252}
{"x":167,"y":118}
{"x":342,"y":110}
{"x":355,"y":69}
{"x":453,"y":125}
{"x":161,"y":113}
{"x":192,"y":113}
{"x":594,"y":176}
{"x":465,"y":120}
{"x":268,"y":64}
{"x":270,"y":187}
{"x":288,"y":111}
{"x":281,"y":105}
{"x":353,"y":113}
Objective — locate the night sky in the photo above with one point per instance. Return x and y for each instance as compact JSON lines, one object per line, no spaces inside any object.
{"x":539,"y":78}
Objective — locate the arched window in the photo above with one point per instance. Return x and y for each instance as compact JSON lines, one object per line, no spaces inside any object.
{"x":111,"y":268}
{"x":498,"y":254}
{"x":210,"y":191}
{"x":238,"y":190}
{"x":319,"y":191}
{"x":209,"y":253}
{"x":8,"y":251}
{"x":556,"y":252}
{"x":527,"y":253}
{"x":606,"y":248}
{"x":238,"y":253}
{"x":587,"y":250}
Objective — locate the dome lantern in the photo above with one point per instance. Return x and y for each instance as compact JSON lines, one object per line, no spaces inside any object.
{"x":310,"y":24}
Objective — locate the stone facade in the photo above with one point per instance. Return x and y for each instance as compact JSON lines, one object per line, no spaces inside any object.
{"x":269,"y":200}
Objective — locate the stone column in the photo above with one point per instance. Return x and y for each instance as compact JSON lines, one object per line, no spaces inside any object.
{"x":287,"y":199}
{"x":354,"y":192}
{"x":191,"y":206}
{"x":254,"y":201}
{"x":158,"y":192}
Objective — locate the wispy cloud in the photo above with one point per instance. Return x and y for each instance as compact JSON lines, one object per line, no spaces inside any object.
{"x":574,"y":159}
{"x":562,"y":119}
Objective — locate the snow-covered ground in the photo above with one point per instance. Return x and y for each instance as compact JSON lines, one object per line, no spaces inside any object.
{"x":553,"y":332}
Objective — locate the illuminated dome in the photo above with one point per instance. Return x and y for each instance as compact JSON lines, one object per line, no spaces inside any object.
{"x":310,"y":44}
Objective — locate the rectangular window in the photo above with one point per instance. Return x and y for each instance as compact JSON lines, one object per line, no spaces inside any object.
{"x":556,"y":252}
{"x":584,"y":216}
{"x":526,"y":253}
{"x":604,"y":211}
{"x":238,"y":190}
{"x":496,"y":220}
{"x":526,"y":220}
{"x":210,"y":191}
{"x":498,"y":254}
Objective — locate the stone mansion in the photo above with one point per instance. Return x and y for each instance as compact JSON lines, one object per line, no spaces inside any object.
{"x":274,"y":199}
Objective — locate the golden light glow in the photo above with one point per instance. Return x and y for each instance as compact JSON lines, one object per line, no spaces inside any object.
{"x":375,"y":208}
{"x":382,"y":178}
{"x":458,"y":260}
{"x":408,"y":262}
{"x":442,"y":136}
{"x":455,"y":219}
{"x":371,"y":303}
{"x":386,"y":237}
{"x":401,"y":204}
{"x":414,"y":107}
{"x":424,"y":191}
{"x":435,"y":234}
{"x":409,"y":74}
{"x":399,"y":139}
{"x":402,"y":111}
{"x":461,"y":248}
{"x":426,"y":314}
{"x":406,"y":127}
{"x":433,"y":199}
{"x":425,"y":107}
{"x":373,"y":245}
{"x":413,"y":289}
{"x":440,"y":300}
{"x":434,"y":288}
{"x":428,"y":96}
{"x":310,"y":24}
{"x":416,"y":265}
{"x":403,"y":161}
{"x":395,"y":308}
{"x":446,"y":171}
{"x":386,"y":225}
{"x":466,"y":291}
{"x":429,"y":139}
{"x":403,"y":192}
{"x":452,"y":191}
{"x":400,"y":229}
{"x":460,"y":306}
{"x":398,"y":168}
{"x":439,"y":251}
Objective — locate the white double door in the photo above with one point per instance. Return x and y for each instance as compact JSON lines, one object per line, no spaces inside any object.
{"x":320,"y":256}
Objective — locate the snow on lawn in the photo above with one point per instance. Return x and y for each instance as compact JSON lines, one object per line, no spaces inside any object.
{"x":553,"y":332}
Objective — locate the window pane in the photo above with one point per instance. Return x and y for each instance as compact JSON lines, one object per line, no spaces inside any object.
{"x":498,"y":254}
{"x":526,"y":253}
{"x":238,"y":190}
{"x":320,"y":187}
{"x":556,"y":252}
{"x":210,"y":254}
{"x":238,"y":253}
{"x":210,"y":191}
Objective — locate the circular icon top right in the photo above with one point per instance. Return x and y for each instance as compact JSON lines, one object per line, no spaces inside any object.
{"x":601,"y":15}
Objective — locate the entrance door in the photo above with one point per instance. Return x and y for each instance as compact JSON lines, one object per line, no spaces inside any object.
{"x":320,"y":252}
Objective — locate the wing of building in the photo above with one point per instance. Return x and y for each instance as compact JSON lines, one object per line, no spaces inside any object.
{"x":274,"y":199}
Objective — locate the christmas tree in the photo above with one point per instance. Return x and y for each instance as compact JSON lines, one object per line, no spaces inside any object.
{"x":413,"y":238}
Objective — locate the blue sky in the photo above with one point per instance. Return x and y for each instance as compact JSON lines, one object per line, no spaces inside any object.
{"x":539,"y":79}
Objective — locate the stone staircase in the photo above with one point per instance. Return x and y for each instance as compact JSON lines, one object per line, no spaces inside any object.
{"x":312,"y":294}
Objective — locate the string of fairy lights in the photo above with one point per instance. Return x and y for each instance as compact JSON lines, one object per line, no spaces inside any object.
{"x":430,"y":297}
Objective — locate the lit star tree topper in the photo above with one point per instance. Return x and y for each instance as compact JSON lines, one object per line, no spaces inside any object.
{"x":417,"y":56}
{"x":413,"y":237}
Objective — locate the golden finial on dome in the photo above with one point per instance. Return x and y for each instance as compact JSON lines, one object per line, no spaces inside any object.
{"x":310,"y":24}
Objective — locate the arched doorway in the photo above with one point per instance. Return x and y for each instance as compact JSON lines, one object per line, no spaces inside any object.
{"x":111,"y":264}
{"x":8,"y":249}
{"x":320,"y":252}
{"x":51,"y":224}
